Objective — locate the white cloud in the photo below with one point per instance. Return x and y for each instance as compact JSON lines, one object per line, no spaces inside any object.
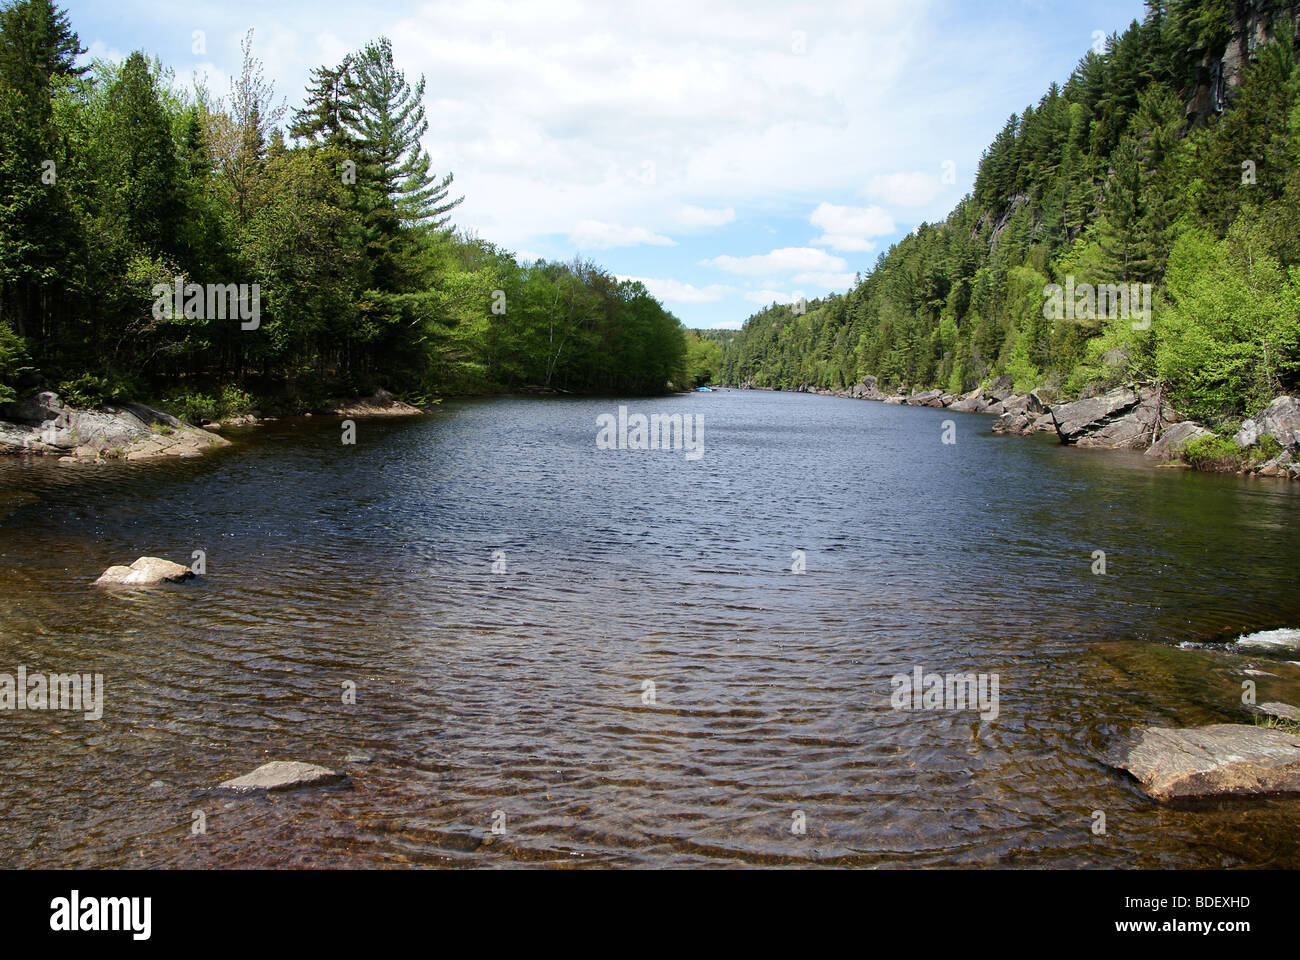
{"x":905,"y":189}
{"x":829,"y":281}
{"x":783,"y":261}
{"x":674,"y":291}
{"x":691,"y":216}
{"x":598,"y":235}
{"x":850,"y":228}
{"x":767,"y":297}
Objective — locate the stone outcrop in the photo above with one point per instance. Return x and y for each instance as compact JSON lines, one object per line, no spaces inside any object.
{"x":44,"y":424}
{"x":1024,"y":423}
{"x":1173,"y":440}
{"x":1122,"y":419}
{"x":1279,"y":420}
{"x":145,"y":572}
{"x":928,"y":398}
{"x":1276,"y":711}
{"x":382,"y":404}
{"x":283,"y":775}
{"x":1214,"y":761}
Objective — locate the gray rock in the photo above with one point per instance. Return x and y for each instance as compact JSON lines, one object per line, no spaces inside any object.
{"x":1120,"y":419}
{"x":1214,"y":761}
{"x":1014,"y":424}
{"x":1038,"y":402}
{"x":1278,"y":711}
{"x":1175,"y":438}
{"x":972,"y":402}
{"x":1279,"y":420}
{"x":1015,"y":405}
{"x":926,"y":399}
{"x":283,"y":775}
{"x":145,"y":572}
{"x":1003,"y":388}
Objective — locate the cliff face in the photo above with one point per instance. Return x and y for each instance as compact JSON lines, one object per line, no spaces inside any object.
{"x":1220,"y":72}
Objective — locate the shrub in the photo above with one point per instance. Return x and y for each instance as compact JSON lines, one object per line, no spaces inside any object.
{"x":1214,"y":453}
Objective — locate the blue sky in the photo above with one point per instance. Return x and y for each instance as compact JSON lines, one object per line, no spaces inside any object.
{"x":728,"y":154}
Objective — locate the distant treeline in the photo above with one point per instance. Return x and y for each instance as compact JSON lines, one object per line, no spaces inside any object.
{"x":1109,"y":180}
{"x":113,"y":181}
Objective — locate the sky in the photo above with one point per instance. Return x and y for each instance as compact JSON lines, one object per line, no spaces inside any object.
{"x":727,"y":154}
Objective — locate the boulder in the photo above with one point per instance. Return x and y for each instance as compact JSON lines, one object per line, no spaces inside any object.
{"x":1279,"y":420}
{"x":1215,"y":761}
{"x":1123,"y":418}
{"x":928,"y":398}
{"x":1174,"y":439}
{"x":145,"y":572}
{"x":1003,"y":388}
{"x":1015,"y":405}
{"x":283,"y":775}
{"x":1023,"y":424}
{"x":1039,"y":400}
{"x":868,"y":389}
{"x":972,"y":402}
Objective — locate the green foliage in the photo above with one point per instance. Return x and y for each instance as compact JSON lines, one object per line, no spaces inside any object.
{"x":13,"y":362}
{"x":1214,"y":454}
{"x":115,"y":182}
{"x":1230,"y":338}
{"x":1102,"y":182}
{"x":89,"y":390}
{"x":703,"y":360}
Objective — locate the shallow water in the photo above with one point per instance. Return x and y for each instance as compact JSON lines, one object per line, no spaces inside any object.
{"x":515,"y":698}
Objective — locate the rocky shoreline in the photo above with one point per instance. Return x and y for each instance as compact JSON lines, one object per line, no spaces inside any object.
{"x":1134,"y":417}
{"x":43,"y":425}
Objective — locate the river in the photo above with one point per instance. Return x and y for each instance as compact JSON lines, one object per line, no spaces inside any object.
{"x":562,"y":655}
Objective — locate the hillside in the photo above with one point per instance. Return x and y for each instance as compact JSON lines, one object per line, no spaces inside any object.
{"x":1166,"y":169}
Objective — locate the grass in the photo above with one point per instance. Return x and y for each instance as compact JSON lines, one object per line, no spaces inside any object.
{"x":1277,"y":723}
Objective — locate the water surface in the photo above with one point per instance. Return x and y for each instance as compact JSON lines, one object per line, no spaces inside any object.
{"x":516,"y":697}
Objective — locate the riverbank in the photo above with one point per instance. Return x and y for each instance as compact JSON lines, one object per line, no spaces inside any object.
{"x":43,"y":425}
{"x":1136,"y":417}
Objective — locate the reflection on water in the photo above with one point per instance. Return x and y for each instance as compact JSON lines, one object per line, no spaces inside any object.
{"x":519,"y":695}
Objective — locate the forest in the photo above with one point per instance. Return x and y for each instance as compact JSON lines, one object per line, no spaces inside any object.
{"x":115,"y":179}
{"x":1150,"y":165}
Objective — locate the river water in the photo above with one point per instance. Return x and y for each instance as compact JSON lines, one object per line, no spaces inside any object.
{"x":564,"y":656}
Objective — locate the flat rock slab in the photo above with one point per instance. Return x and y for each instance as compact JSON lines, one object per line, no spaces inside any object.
{"x":145,"y":572}
{"x":283,"y":775}
{"x":1223,"y":760}
{"x":1278,"y":711}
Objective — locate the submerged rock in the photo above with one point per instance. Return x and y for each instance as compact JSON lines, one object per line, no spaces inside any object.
{"x":145,"y":572}
{"x":1226,"y":759}
{"x":283,"y":775}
